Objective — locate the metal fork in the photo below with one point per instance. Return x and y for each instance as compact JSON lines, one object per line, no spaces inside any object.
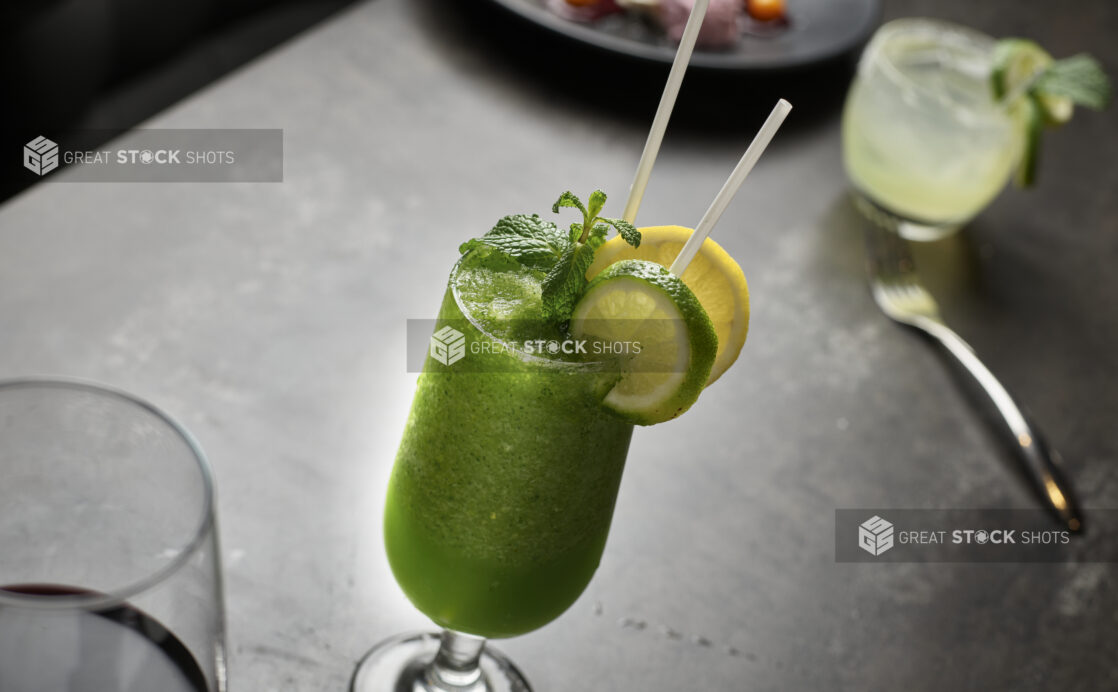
{"x":898,"y":292}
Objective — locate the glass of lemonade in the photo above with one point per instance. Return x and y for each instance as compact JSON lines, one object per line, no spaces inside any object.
{"x":502,"y":492}
{"x":925,"y":145}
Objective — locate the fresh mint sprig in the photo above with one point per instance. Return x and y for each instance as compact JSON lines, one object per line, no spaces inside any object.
{"x":1079,"y":78}
{"x":566,"y":281}
{"x":581,"y":232}
{"x":564,"y":258}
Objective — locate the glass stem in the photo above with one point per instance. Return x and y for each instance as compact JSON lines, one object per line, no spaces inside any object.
{"x":456,"y":665}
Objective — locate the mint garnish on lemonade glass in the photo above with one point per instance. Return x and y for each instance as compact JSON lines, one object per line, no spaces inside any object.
{"x":501,"y":497}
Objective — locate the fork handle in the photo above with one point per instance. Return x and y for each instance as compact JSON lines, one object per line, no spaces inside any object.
{"x":1029,"y":445}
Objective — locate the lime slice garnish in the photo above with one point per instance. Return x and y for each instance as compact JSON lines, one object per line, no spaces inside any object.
{"x":713,"y":276}
{"x":1018,"y":65}
{"x":1056,"y":110}
{"x":1040,"y":91}
{"x":1018,"y":62}
{"x":665,"y":339}
{"x":1030,"y":115}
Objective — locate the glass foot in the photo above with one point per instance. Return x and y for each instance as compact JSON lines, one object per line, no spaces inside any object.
{"x":404,"y":664}
{"x":909,"y":229}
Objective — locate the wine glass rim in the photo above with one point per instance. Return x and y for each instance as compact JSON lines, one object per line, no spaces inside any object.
{"x":940,"y":31}
{"x":120,"y":595}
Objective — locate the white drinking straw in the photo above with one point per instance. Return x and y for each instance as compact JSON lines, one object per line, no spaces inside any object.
{"x":730,"y":188}
{"x":664,"y":110}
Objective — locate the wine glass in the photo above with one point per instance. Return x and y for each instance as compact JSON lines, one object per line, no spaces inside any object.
{"x":110,"y":576}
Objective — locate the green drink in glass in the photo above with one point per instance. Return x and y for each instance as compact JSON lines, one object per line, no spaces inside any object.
{"x":503,"y":488}
{"x":505,"y":538}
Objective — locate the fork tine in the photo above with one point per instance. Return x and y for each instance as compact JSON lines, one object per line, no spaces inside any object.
{"x":888,"y":252}
{"x":892,"y":271}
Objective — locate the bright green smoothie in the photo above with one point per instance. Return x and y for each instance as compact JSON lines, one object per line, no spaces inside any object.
{"x":505,"y":481}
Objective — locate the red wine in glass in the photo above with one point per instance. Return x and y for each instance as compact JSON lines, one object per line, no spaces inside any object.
{"x":115,"y":649}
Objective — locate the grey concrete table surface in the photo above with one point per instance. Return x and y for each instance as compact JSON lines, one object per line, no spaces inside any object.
{"x":270,"y":319}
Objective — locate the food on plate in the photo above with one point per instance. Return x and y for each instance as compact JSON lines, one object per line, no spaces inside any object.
{"x":725,"y":22}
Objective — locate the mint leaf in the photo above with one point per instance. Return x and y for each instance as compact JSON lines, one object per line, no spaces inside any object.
{"x":568,"y":199}
{"x":597,"y":201}
{"x":528,"y":239}
{"x":575,"y":232}
{"x":627,"y":230}
{"x":1079,"y":78}
{"x":580,"y":232}
{"x":565,"y":282}
{"x":597,"y":235}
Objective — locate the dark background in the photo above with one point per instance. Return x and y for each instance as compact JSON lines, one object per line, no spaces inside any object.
{"x":82,"y":65}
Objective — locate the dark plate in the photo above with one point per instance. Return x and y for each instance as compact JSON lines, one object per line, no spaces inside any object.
{"x":818,"y":31}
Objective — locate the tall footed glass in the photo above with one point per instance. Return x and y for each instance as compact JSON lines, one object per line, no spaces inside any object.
{"x":501,"y":497}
